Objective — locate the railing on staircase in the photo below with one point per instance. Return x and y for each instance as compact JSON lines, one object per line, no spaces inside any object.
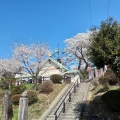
{"x":66,"y":99}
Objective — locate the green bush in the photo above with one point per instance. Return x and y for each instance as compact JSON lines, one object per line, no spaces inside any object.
{"x":56,"y":78}
{"x":112,"y":100}
{"x":32,"y":97}
{"x":15,"y":99}
{"x":18,"y":89}
{"x":46,"y":87}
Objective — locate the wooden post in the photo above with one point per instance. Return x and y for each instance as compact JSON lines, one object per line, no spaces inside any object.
{"x":7,"y":111}
{"x":23,"y":107}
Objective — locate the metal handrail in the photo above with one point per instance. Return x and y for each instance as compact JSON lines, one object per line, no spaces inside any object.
{"x":63,"y":101}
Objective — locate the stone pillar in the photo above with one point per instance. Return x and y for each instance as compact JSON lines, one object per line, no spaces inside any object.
{"x":7,"y":111}
{"x":23,"y":107}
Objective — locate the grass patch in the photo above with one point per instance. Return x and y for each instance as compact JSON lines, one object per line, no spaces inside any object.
{"x":29,"y":86}
{"x":15,"y":114}
{"x":36,"y":110}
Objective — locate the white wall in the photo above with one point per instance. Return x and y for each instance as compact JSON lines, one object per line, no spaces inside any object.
{"x":74,"y":77}
{"x":50,"y":69}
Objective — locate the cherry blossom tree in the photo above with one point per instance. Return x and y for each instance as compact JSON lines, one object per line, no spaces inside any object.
{"x":76,"y":48}
{"x":32,"y":58}
{"x":8,"y":69}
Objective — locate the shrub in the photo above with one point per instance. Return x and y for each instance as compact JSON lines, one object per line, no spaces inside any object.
{"x":18,"y":89}
{"x":109,"y":77}
{"x":56,"y":78}
{"x":95,"y":82}
{"x":32,"y":97}
{"x":15,"y":99}
{"x":4,"y":84}
{"x":46,"y":87}
{"x":112,"y":100}
{"x":103,"y":81}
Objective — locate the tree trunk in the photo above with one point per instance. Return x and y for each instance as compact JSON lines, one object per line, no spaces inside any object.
{"x":35,"y":82}
{"x":79,"y":64}
{"x":86,"y":66}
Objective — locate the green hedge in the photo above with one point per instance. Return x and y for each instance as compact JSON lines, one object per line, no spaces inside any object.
{"x":18,"y":89}
{"x":56,"y":78}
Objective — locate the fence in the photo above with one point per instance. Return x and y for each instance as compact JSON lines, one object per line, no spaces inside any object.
{"x":66,"y":99}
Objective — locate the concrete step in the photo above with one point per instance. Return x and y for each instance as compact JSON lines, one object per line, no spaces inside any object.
{"x":50,"y":118}
{"x":73,"y":117}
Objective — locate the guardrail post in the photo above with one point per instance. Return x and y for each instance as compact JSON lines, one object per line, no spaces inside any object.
{"x":69,"y":97}
{"x":74,"y":88}
{"x":64,"y":107}
{"x":55,"y":116}
{"x":77,"y":83}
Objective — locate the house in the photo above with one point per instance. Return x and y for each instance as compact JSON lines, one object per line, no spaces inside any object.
{"x":51,"y":67}
{"x":73,"y":75}
{"x":23,"y":77}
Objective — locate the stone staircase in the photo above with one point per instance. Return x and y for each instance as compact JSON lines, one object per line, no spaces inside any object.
{"x":72,"y":109}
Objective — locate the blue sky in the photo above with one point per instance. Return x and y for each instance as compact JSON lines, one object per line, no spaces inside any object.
{"x":51,"y":21}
